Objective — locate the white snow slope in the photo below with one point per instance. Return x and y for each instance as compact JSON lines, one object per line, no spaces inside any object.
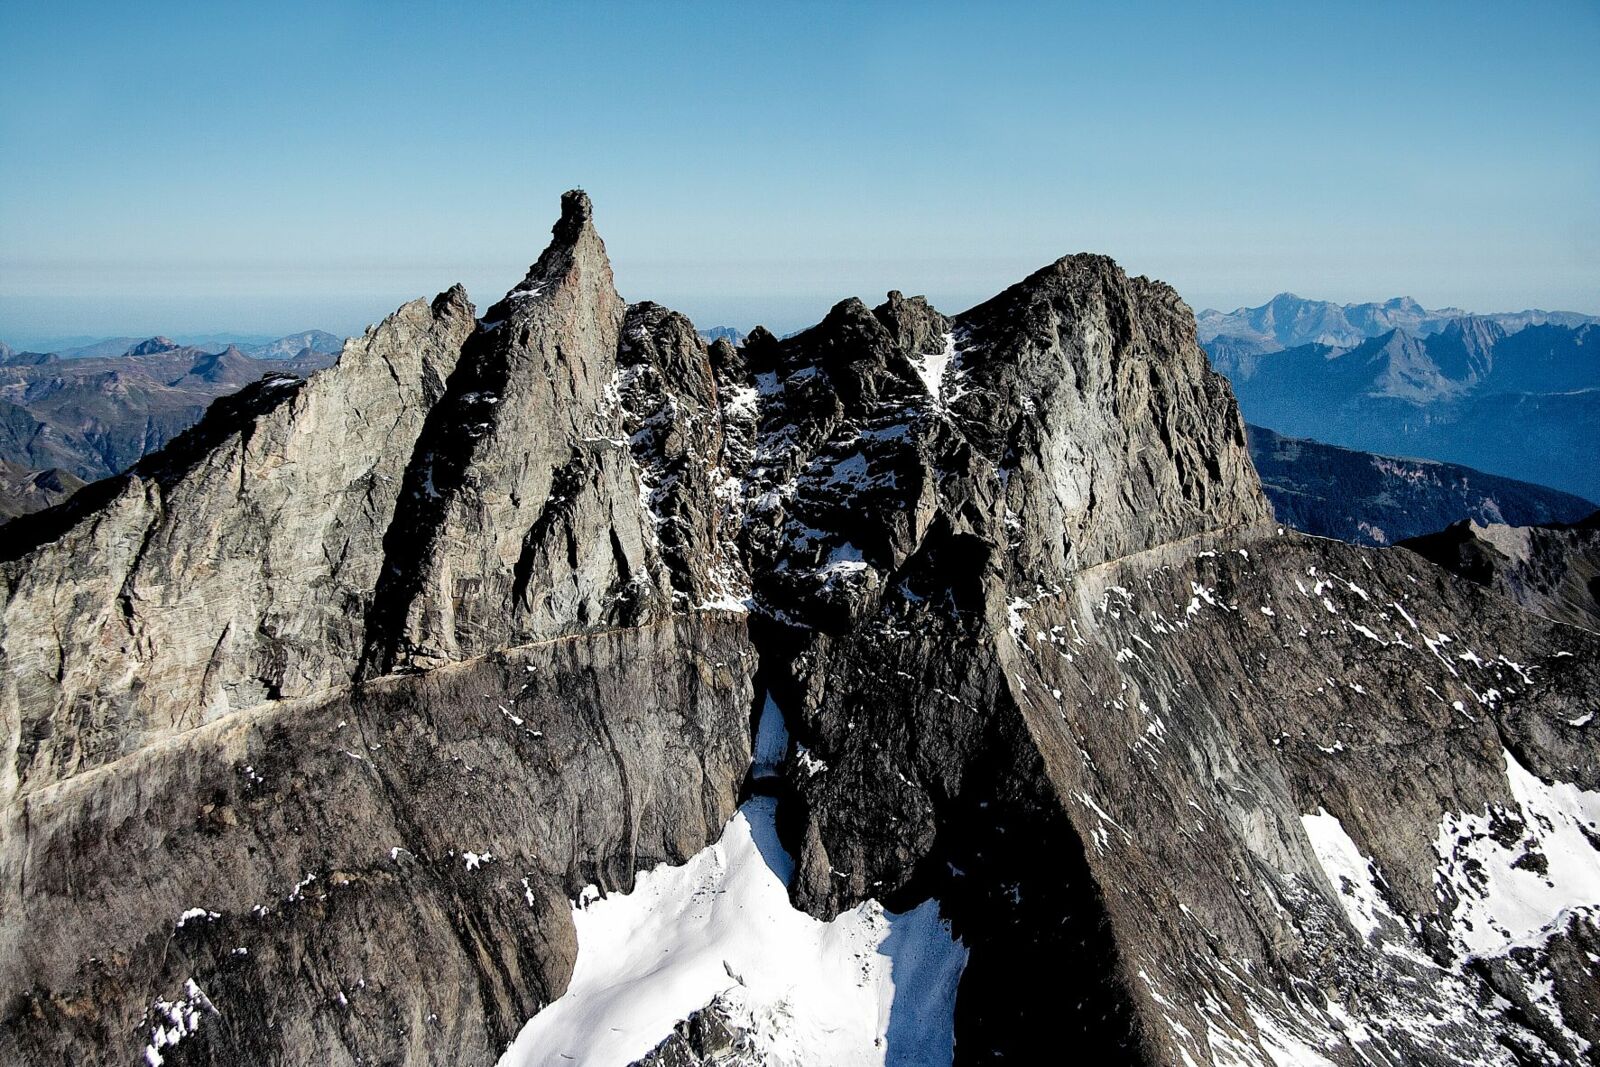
{"x":1503,"y":905}
{"x":931,"y":366}
{"x":868,"y":988}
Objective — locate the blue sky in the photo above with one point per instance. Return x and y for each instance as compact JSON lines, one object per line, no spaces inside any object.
{"x":263,"y":168}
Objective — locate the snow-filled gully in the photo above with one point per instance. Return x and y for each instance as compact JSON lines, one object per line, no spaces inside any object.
{"x":868,"y":988}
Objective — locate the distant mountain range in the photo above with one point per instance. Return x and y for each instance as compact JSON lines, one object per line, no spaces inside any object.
{"x":918,"y":690}
{"x":91,"y":417}
{"x":1288,"y":321}
{"x":1379,"y":500}
{"x":290,"y":346}
{"x":1515,"y":394}
{"x":732,"y":334}
{"x":23,"y":490}
{"x":296,"y":345}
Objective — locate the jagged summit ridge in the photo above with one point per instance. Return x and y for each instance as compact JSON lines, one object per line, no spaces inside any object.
{"x":518,"y":475}
{"x":415,"y":651}
{"x":285,"y":491}
{"x":566,"y":464}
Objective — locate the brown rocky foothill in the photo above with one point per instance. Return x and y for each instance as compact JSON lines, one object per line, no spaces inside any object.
{"x":316,"y":720}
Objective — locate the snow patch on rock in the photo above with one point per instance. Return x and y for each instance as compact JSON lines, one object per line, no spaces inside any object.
{"x":1347,"y":869}
{"x":772,"y":742}
{"x":931,"y":366}
{"x":868,"y":988}
{"x":1507,"y":896}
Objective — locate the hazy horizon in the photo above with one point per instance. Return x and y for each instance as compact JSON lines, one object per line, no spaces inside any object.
{"x":318,"y":165}
{"x":781,"y":316}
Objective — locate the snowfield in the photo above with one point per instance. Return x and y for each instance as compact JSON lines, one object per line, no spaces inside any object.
{"x":931,"y":367}
{"x":1504,"y":903}
{"x":1495,"y":899}
{"x":869,"y":989}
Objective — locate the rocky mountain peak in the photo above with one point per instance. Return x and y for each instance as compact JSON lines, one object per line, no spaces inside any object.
{"x":759,"y":338}
{"x":424,"y":646}
{"x":577,"y":210}
{"x":1068,"y":375}
{"x":453,"y":299}
{"x":153,"y":346}
{"x":1478,"y":331}
{"x":523,"y":518}
{"x":229,"y":365}
{"x":915,"y":326}
{"x":575,"y":258}
{"x":1073,"y":282}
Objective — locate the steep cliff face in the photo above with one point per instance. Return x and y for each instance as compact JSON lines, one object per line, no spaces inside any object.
{"x":374,"y":874}
{"x":234,"y":566}
{"x":523,"y":518}
{"x":903,"y":454}
{"x":1089,"y":709}
{"x":686,"y":444}
{"x":1188,"y":789}
{"x":290,"y":742}
{"x":1122,"y":436}
{"x":1122,"y":777}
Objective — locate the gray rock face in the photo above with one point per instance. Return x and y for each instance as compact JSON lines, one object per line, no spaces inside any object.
{"x":900,"y":451}
{"x":1552,"y":570}
{"x":1125,"y":439}
{"x":711,"y":1037}
{"x":233,"y":567}
{"x":373,"y":874}
{"x":675,"y":420}
{"x":1189,"y":790}
{"x":522,"y":519}
{"x":1121,"y":776}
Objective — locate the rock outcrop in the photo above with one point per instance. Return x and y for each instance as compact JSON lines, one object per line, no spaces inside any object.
{"x":235,"y":566}
{"x":373,"y":874}
{"x":1551,"y":569}
{"x":522,"y":520}
{"x":318,"y":719}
